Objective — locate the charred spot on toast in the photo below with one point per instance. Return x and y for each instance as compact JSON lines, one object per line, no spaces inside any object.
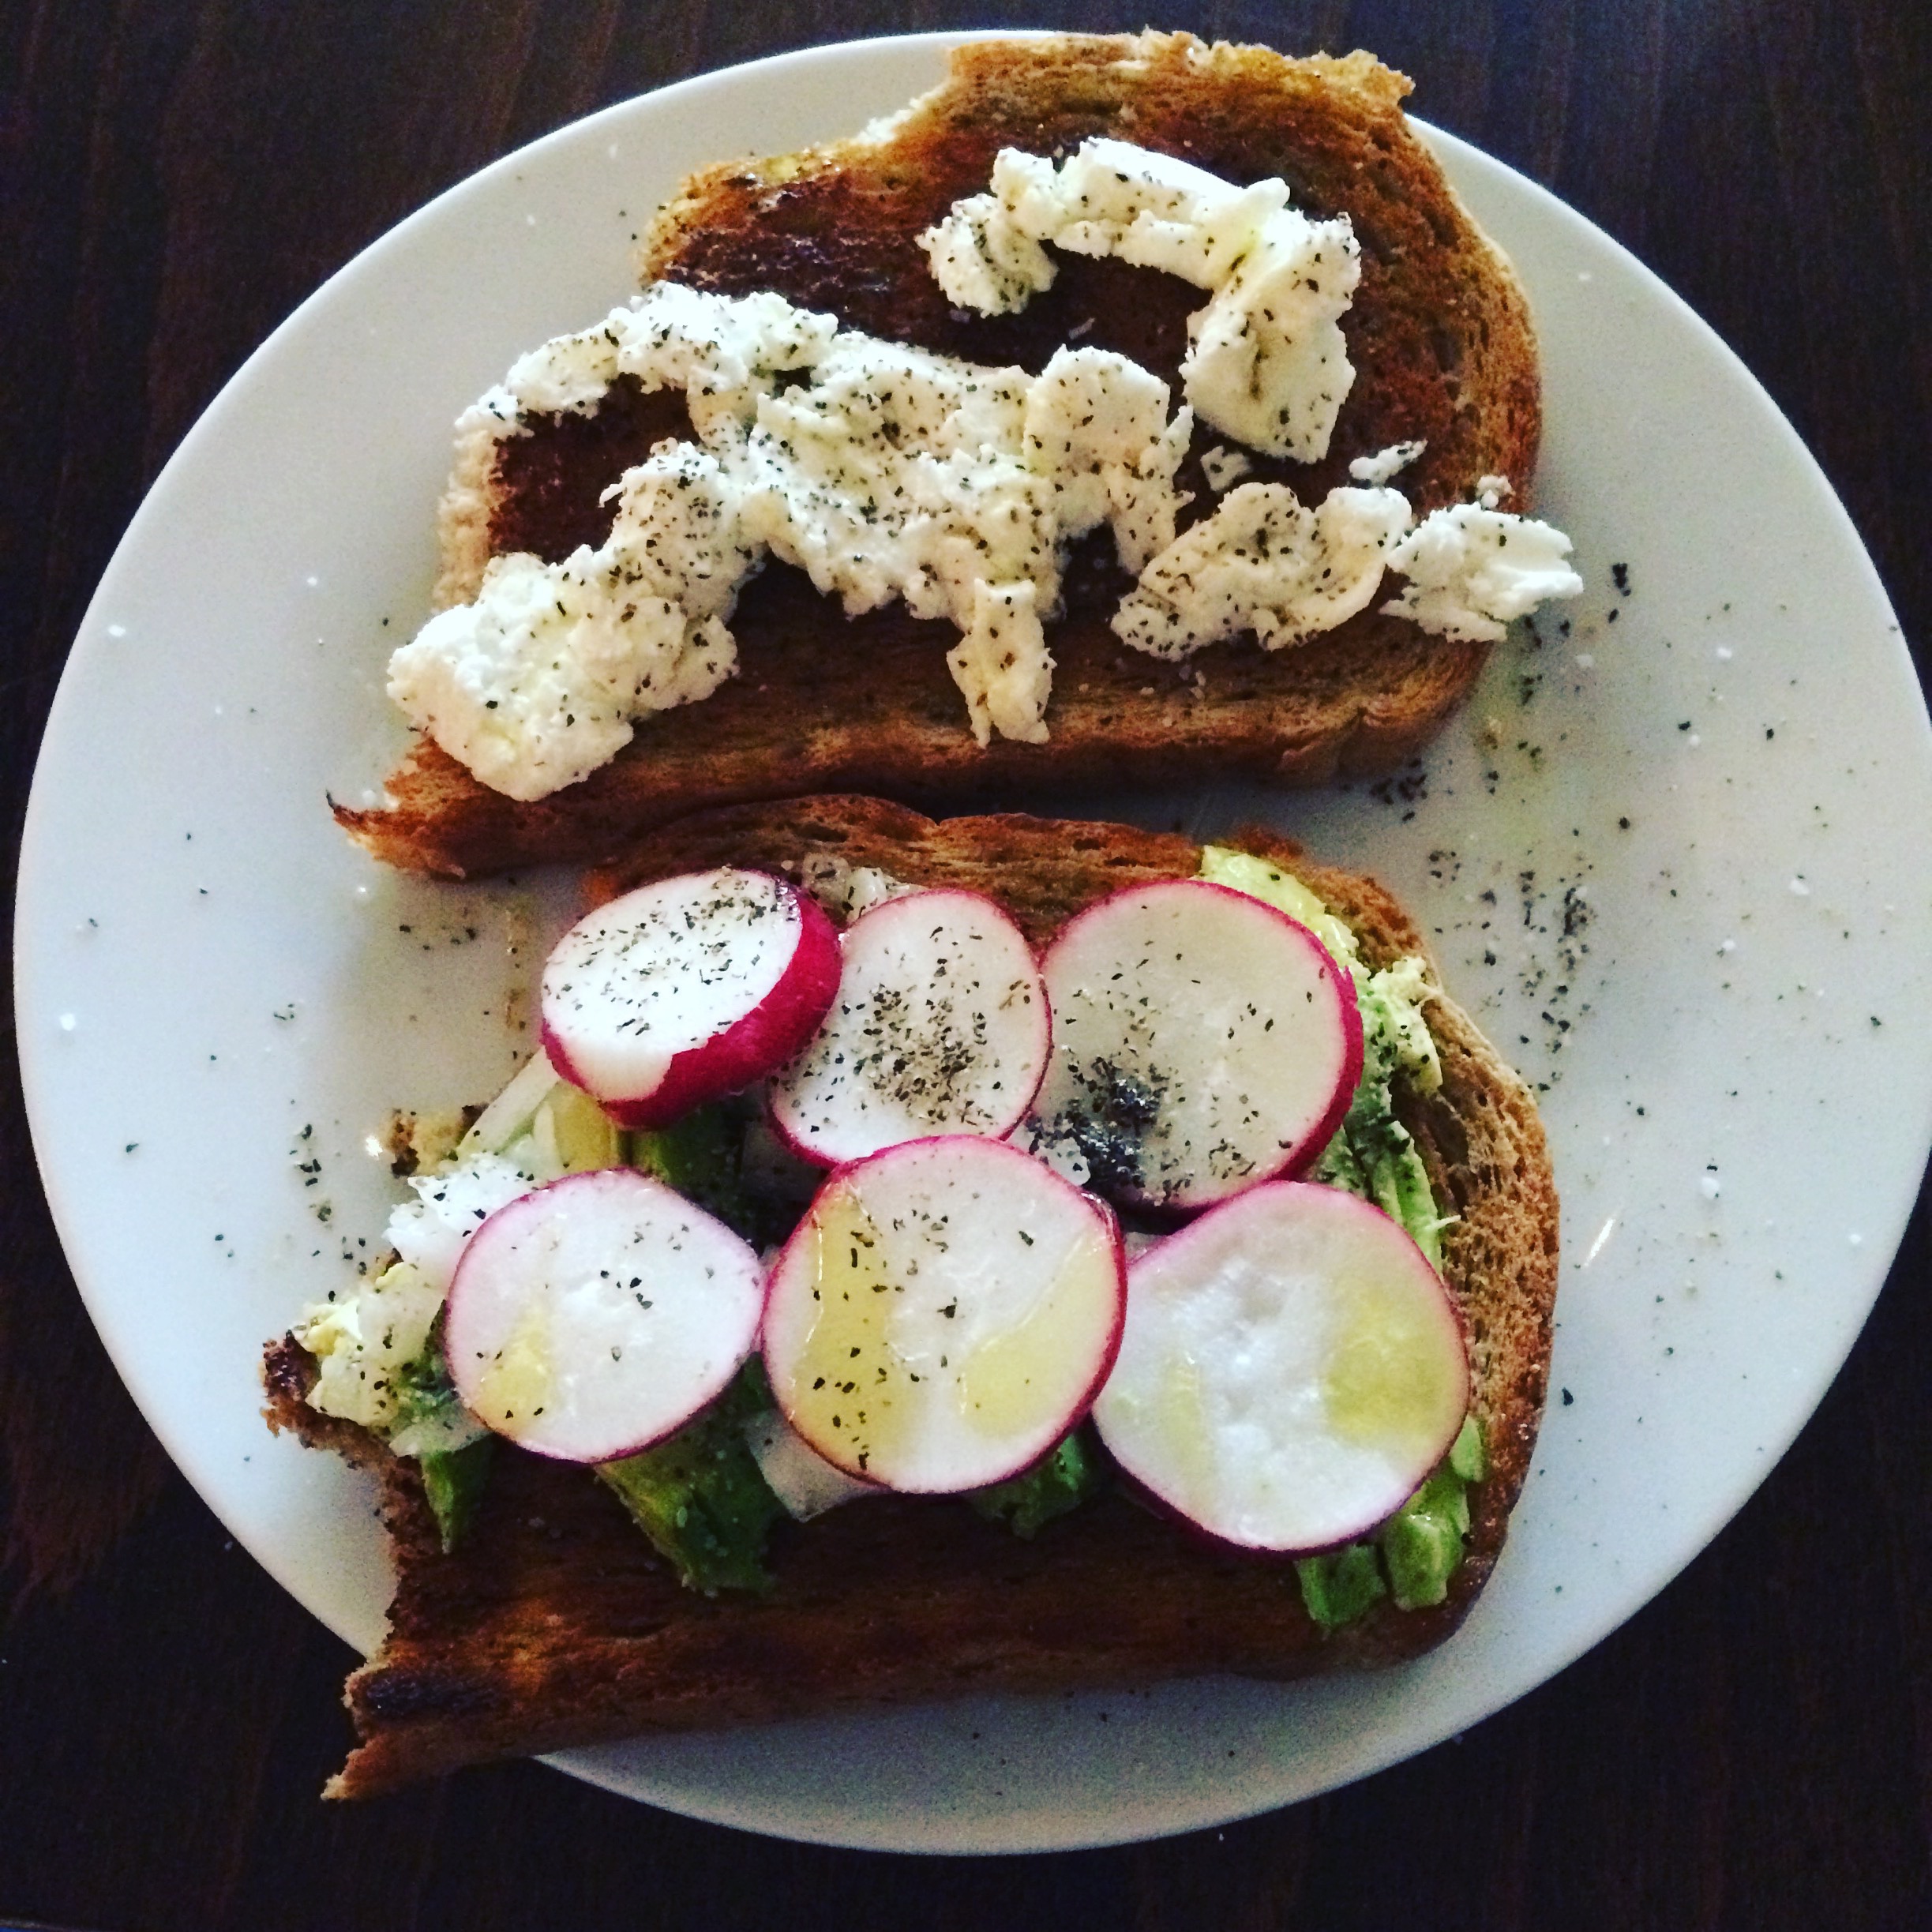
{"x":401,"y":1695}
{"x":551,"y":481}
{"x":287,"y":1374}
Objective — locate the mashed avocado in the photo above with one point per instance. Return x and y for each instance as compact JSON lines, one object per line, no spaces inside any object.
{"x":364,"y":1344}
{"x":699,"y":1496}
{"x":703,"y":1157}
{"x":1414,"y":1556}
{"x":1062,"y":1480}
{"x":454,"y":1450}
{"x":1372,"y":1154}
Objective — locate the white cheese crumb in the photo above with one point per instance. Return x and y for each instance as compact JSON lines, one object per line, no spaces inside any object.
{"x":724,"y":352}
{"x":984,"y":260}
{"x":1096,"y":425}
{"x":1267,"y":362}
{"x":363,"y":1341}
{"x":534,"y":684}
{"x":430,"y":1232}
{"x":1385,"y":465}
{"x":1263,"y":562}
{"x":1224,"y":467}
{"x":568,"y":375}
{"x":1002,"y":665}
{"x":1472,"y":567}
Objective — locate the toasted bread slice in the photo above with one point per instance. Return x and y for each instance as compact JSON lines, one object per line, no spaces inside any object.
{"x":555,"y":1623}
{"x":1439,"y":334}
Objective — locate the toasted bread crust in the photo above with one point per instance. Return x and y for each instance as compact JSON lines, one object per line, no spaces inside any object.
{"x":1439,"y":332}
{"x":531,"y":1638}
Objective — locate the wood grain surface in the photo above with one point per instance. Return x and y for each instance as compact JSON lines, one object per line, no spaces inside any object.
{"x":1752,"y":1750}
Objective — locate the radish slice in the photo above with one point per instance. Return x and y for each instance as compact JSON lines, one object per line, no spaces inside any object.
{"x":943,"y":1314}
{"x":1292,"y":1368}
{"x":1203,"y":1041}
{"x":597,"y":1315}
{"x":941,"y":1027}
{"x":686,"y":989}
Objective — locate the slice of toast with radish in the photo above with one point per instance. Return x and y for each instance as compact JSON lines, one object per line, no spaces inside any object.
{"x":1445,"y":361}
{"x":525,"y":1640}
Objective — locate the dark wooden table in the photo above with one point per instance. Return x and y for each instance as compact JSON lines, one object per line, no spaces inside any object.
{"x":1752,"y":1750}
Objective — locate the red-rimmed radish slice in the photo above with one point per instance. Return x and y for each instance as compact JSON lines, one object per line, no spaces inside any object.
{"x":592,"y":1318}
{"x":686,"y":989}
{"x":1292,"y":1369}
{"x":943,"y":1314}
{"x":1202,"y":1042}
{"x":940,"y":1026}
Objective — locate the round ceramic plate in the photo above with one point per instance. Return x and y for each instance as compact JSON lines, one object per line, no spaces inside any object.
{"x":1672,"y":855}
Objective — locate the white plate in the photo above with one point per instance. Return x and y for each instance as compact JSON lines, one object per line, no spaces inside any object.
{"x":214,"y":990}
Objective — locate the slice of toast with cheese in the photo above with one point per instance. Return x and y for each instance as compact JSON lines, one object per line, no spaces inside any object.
{"x":1443,"y":354}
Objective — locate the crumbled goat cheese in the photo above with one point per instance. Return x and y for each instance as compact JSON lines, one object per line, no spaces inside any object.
{"x":534,"y":684}
{"x":1096,"y":423}
{"x":882,"y":471}
{"x":724,"y":352}
{"x":847,"y":890}
{"x":363,"y":1342}
{"x":1267,"y":362}
{"x":895,"y":472}
{"x":1472,"y":567}
{"x":430,"y":1232}
{"x":1224,"y":467}
{"x":1002,"y":665}
{"x":1386,"y":464}
{"x":887,"y":472}
{"x":1266,"y":563}
{"x":984,"y":260}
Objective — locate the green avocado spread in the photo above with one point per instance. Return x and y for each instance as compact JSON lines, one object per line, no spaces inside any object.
{"x":1372,"y":1153}
{"x":699,"y":1496}
{"x":431,"y":1425}
{"x":1414,"y":1556}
